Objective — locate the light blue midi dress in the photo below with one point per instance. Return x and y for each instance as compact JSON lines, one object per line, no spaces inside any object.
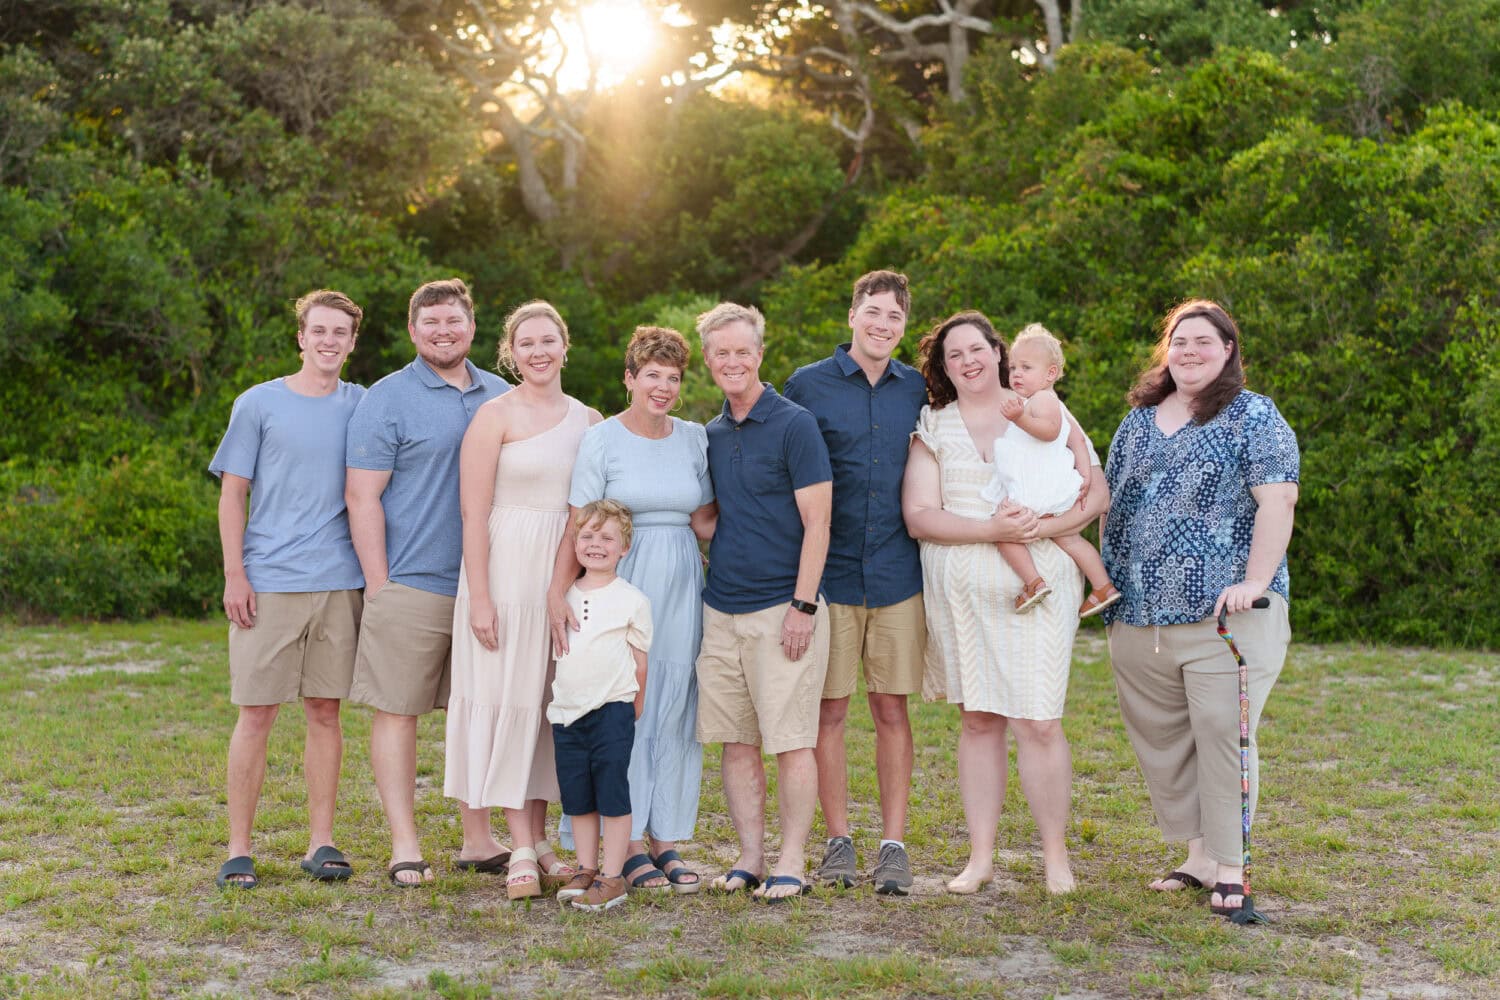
{"x":662,"y":482}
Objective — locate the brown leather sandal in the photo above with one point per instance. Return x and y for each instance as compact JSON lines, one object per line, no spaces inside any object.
{"x":1099,"y":600}
{"x":1031,"y":595}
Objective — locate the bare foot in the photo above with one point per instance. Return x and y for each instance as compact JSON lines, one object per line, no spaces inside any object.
{"x":971,"y":880}
{"x":1061,"y":882}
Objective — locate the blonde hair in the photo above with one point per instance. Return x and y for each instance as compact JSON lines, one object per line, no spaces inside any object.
{"x":606,"y":510}
{"x":658,"y":345}
{"x":725,"y":313}
{"x":1039,"y":337}
{"x":333,"y":300}
{"x":529,"y":310}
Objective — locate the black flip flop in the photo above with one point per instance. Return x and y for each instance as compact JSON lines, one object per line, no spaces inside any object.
{"x":749,"y":880}
{"x":498,"y":865}
{"x":683,"y":878}
{"x":243,"y":865}
{"x":1225,"y":890}
{"x":420,"y":867}
{"x":1188,"y":881}
{"x":328,"y":864}
{"x":803,"y":889}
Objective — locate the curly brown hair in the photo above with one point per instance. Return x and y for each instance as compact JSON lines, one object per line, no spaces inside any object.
{"x":658,"y":345}
{"x":882,"y":281}
{"x":940,"y":390}
{"x":1156,"y":383}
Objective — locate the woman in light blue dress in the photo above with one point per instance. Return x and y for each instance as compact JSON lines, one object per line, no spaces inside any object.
{"x":657,"y":466}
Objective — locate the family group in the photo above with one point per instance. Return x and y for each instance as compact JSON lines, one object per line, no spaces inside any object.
{"x":449,"y":540}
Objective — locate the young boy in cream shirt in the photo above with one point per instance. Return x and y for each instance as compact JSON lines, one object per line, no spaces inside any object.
{"x":597,"y":695}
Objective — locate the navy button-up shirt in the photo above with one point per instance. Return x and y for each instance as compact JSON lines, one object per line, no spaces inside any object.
{"x":872,"y":561}
{"x":757,"y":466}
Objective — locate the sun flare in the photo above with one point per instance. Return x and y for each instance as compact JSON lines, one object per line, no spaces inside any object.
{"x":610,"y":39}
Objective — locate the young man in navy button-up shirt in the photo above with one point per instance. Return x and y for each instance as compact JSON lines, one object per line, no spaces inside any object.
{"x":867,"y":403}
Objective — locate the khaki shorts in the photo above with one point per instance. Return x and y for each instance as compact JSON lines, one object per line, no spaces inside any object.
{"x":748,"y":691}
{"x":302,"y":646}
{"x":405,"y":645}
{"x":889,"y":641}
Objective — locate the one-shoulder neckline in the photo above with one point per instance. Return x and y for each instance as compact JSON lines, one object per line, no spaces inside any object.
{"x":573,"y":406}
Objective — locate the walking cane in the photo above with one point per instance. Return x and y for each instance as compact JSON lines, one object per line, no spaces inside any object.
{"x":1247,"y":913}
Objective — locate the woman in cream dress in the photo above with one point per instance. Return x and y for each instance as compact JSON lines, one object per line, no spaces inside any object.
{"x":1007,"y":672}
{"x":514,"y":472}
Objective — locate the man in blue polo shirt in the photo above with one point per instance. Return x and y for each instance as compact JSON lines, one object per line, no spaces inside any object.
{"x":402,"y":493}
{"x":765,"y":634}
{"x":866,"y":404}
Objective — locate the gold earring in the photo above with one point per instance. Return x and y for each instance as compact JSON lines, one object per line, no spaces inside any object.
{"x":678,"y":405}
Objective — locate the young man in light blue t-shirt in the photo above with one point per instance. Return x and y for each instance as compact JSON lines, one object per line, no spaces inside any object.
{"x":292,"y":583}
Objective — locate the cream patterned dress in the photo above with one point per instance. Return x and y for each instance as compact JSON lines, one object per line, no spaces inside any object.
{"x":980,"y":653}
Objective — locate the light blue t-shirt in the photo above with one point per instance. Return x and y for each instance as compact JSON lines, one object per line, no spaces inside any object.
{"x":291,"y":448}
{"x":411,"y":424}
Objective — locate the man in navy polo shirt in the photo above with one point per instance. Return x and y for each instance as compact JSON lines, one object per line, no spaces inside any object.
{"x":401,"y":488}
{"x":765,"y":634}
{"x":866,"y":404}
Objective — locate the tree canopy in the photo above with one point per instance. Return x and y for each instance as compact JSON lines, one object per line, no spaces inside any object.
{"x":174,"y":174}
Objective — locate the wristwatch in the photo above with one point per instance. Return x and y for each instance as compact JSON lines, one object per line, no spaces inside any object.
{"x":806,"y":607}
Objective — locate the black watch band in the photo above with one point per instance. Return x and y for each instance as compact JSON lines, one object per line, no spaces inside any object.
{"x":806,"y":607}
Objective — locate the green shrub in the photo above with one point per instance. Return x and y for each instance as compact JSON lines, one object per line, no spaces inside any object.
{"x":131,"y":538}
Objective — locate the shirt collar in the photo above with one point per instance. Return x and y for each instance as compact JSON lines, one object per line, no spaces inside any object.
{"x":758,"y":412}
{"x":849,"y":366}
{"x":433,"y":380}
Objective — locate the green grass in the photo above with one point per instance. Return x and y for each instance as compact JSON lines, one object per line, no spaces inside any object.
{"x":1375,"y":850}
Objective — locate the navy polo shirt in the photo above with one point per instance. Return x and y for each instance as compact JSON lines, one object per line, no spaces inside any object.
{"x":757,"y":465}
{"x":872,"y":561}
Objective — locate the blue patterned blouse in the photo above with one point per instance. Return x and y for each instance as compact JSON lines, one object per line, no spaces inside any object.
{"x":1181,"y":513}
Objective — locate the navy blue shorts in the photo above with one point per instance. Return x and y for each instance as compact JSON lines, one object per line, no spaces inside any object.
{"x":593,"y":760}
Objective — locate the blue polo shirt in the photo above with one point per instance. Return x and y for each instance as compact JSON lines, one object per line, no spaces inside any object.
{"x":757,"y":465}
{"x":411,"y":424}
{"x":872,"y":561}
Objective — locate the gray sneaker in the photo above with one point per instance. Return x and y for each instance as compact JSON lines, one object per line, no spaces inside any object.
{"x":893,"y":873}
{"x":838,"y":867}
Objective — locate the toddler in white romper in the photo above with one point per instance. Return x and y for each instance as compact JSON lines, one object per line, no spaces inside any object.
{"x":1036,"y":466}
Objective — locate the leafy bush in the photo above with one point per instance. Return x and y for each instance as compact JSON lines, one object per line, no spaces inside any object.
{"x":130,"y":538}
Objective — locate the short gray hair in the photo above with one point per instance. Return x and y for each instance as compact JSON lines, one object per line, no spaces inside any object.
{"x":725,"y":313}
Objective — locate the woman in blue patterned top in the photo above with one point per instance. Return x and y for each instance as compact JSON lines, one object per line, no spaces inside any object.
{"x":1203,"y":473}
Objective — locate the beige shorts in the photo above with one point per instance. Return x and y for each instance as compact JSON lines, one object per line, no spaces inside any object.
{"x":405,"y":645}
{"x":889,"y":641}
{"x":302,"y":646}
{"x":748,"y":691}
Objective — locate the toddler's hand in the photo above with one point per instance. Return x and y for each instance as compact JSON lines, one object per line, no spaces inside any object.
{"x":1012,"y":406}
